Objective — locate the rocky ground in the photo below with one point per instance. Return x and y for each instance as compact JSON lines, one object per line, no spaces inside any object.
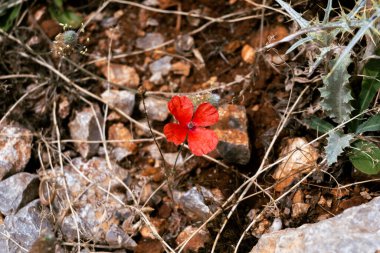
{"x":84,"y":163}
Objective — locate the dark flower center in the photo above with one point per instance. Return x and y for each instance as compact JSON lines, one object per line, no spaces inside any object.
{"x":190,"y":125}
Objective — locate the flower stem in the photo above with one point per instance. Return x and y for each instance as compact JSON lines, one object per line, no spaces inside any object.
{"x":167,"y":170}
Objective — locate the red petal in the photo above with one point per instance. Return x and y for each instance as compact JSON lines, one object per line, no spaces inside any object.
{"x":175,"y":133}
{"x":182,"y":109}
{"x":205,"y":115}
{"x":202,"y":141}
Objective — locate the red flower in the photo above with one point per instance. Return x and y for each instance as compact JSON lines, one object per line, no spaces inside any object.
{"x":201,"y":140}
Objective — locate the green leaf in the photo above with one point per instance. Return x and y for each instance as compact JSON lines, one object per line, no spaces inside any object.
{"x":370,"y":84}
{"x":336,"y":93}
{"x":365,"y":156}
{"x":59,"y":4}
{"x":372,"y":124}
{"x":8,"y":20}
{"x":336,"y":142}
{"x":68,"y":17}
{"x":319,"y":124}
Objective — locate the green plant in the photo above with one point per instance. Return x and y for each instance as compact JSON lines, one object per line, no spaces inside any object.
{"x":8,"y":15}
{"x":350,"y":112}
{"x":64,"y":16}
{"x":363,"y":154}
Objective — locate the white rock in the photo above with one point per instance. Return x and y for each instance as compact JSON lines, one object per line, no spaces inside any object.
{"x":357,"y":229}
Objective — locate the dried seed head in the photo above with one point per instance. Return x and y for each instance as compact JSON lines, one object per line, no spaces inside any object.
{"x":70,"y":37}
{"x":66,"y":43}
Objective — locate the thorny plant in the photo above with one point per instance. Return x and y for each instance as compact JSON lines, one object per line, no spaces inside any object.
{"x":334,"y":54}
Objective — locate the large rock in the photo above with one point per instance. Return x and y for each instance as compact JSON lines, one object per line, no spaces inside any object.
{"x":85,"y":128}
{"x":16,"y":191}
{"x":15,"y":150}
{"x":232,"y":133}
{"x":24,"y":228}
{"x":355,"y":230}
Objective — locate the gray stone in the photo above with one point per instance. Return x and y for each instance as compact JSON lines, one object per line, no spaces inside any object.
{"x":193,"y":204}
{"x":123,"y":100}
{"x":15,"y":149}
{"x":149,"y":40}
{"x":160,"y":68}
{"x":24,"y":227}
{"x":85,"y":128}
{"x":357,"y":229}
{"x":231,"y":130}
{"x":16,"y":191}
{"x":95,"y":208}
{"x":4,"y":239}
{"x":157,"y":109}
{"x":117,"y":237}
